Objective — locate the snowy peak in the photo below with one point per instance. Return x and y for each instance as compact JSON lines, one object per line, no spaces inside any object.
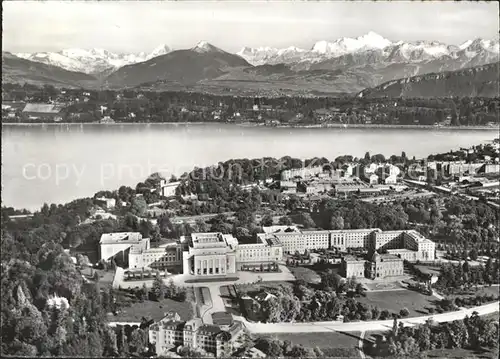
{"x":347,"y":45}
{"x":159,"y":51}
{"x":204,"y":47}
{"x":92,"y":61}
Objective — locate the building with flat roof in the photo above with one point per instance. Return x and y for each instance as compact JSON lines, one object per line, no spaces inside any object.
{"x":112,"y":244}
{"x":168,"y":189}
{"x":303,"y":172}
{"x":352,"y":266}
{"x":221,"y":254}
{"x":43,"y":111}
{"x":209,"y":254}
{"x":265,"y":251}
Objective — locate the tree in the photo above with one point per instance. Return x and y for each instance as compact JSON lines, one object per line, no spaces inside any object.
{"x":267,"y":220}
{"x":306,"y":220}
{"x":285,"y":221}
{"x":395,"y":328}
{"x":165,"y":225}
{"x":138,"y":341}
{"x":144,"y":293}
{"x":360,"y":290}
{"x":158,"y":289}
{"x":110,"y":344}
{"x":404,"y":312}
{"x":337,"y":222}
{"x":352,"y":283}
{"x":138,"y":206}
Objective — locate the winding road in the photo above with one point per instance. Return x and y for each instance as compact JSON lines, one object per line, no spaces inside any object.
{"x":379,"y":325}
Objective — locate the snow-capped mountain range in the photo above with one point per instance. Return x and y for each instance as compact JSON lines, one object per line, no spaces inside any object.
{"x":93,"y":61}
{"x":374,"y":45}
{"x":346,"y":65}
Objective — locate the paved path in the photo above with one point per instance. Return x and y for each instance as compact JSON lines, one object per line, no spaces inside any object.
{"x":380,"y":325}
{"x":217,"y":303}
{"x":361,"y":344}
{"x":180,"y":279}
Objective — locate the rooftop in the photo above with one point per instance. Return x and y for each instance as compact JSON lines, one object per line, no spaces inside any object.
{"x":107,"y":238}
{"x":351,"y":258}
{"x":277,"y":229}
{"x":42,"y":108}
{"x":384,"y":257}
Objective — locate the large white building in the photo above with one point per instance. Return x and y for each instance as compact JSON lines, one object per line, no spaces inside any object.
{"x":207,"y":254}
{"x":303,"y":172}
{"x":409,"y":245}
{"x":112,"y":244}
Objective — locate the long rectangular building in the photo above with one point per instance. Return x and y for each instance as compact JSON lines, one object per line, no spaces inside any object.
{"x":407,"y":244}
{"x":221,"y":254}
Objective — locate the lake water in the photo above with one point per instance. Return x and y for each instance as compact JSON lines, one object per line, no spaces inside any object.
{"x":58,"y":163}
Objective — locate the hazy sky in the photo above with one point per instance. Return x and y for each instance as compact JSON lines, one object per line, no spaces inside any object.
{"x":126,"y":26}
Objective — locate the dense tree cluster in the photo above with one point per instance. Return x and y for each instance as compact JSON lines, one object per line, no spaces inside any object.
{"x":453,"y":277}
{"x":473,"y":332}
{"x":307,"y":303}
{"x":47,"y":309}
{"x":148,"y":106}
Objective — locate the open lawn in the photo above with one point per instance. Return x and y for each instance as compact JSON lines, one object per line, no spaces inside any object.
{"x":154,"y":310}
{"x":462,"y":353}
{"x":396,"y":300}
{"x":257,"y":287}
{"x":494,"y":316}
{"x":305,"y":274}
{"x":381,"y":286}
{"x":333,"y":344}
{"x":428,"y":269}
{"x":481,"y":291}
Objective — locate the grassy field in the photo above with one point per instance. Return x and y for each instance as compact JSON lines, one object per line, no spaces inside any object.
{"x":383,"y":285}
{"x":461,"y":353}
{"x":396,"y":300}
{"x":306,"y":274}
{"x":256,"y":287}
{"x":428,"y":270}
{"x":154,"y":310}
{"x":333,"y":344}
{"x":493,"y":290}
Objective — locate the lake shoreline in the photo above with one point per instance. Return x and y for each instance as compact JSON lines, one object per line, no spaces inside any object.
{"x":333,"y":125}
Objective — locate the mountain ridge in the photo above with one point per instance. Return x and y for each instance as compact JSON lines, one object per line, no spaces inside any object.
{"x":93,"y":61}
{"x":482,"y":81}
{"x":204,"y":61}
{"x":19,"y":70}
